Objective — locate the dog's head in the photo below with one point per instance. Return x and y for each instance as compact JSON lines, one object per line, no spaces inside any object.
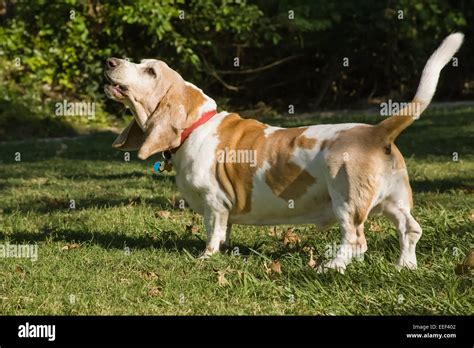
{"x":162,"y":103}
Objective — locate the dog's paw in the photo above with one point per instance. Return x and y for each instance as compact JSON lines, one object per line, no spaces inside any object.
{"x":406,"y":263}
{"x":204,"y":256}
{"x":207,"y":253}
{"x":335,"y":264}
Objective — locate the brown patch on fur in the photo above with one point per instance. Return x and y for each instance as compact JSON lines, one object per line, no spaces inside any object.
{"x":305,"y":143}
{"x":290,"y":184}
{"x":394,"y":125}
{"x":368,"y":159}
{"x":192,"y":101}
{"x":286,"y":179}
{"x":354,"y":162}
{"x":324,"y":144}
{"x":236,"y":178}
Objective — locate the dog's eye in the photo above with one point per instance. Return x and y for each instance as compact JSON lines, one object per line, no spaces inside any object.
{"x":150,"y":71}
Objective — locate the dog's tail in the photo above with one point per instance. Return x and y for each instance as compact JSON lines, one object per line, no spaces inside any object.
{"x":394,"y":125}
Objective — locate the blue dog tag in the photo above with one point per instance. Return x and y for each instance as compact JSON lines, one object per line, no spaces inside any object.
{"x":156,"y":166}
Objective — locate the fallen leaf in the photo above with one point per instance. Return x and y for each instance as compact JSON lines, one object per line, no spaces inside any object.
{"x":221,"y":278}
{"x":273,"y":267}
{"x":290,"y":237}
{"x":71,"y":246}
{"x":193,"y":229}
{"x":164,"y":214}
{"x":311,"y":262}
{"x":154,"y":292}
{"x":149,"y":275}
{"x":374,"y":227}
{"x":18,"y":269}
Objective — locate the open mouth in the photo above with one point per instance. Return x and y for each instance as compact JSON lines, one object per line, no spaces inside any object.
{"x":115,"y":89}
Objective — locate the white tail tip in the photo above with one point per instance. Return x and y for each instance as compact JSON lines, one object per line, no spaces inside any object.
{"x":440,"y":57}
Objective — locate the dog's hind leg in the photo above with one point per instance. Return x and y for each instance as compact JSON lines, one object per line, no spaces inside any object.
{"x":409,"y":232}
{"x":353,"y":243}
{"x":216,"y":227}
{"x":361,"y":241}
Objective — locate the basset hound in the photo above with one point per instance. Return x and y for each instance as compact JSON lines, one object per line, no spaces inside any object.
{"x":240,"y":171}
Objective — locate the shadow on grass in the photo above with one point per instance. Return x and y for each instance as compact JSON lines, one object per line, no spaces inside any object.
{"x":48,"y":204}
{"x":107,"y":240}
{"x":443,"y":185}
{"x":121,"y":176}
{"x":96,"y":146}
{"x":165,"y":240}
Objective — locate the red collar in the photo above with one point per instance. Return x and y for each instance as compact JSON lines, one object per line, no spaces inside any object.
{"x":203,"y":119}
{"x":187,"y":131}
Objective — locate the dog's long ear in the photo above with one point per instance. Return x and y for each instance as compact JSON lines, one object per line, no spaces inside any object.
{"x":178,"y":109}
{"x":164,"y":127}
{"x":130,"y":139}
{"x":179,"y":106}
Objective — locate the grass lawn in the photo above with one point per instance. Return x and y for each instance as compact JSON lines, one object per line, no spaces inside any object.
{"x":119,"y":252}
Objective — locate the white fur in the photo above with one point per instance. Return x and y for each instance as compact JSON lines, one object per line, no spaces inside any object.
{"x":434,"y":65}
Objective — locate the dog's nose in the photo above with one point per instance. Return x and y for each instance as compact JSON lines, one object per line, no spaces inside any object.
{"x":112,"y":62}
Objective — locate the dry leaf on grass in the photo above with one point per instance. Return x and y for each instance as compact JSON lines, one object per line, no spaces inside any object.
{"x":290,"y":237}
{"x":164,"y":214}
{"x":71,"y":246}
{"x":19,"y":270}
{"x":311,"y":262}
{"x":273,"y":267}
{"x":148,"y":275}
{"x":193,"y":229}
{"x":154,"y":292}
{"x":221,"y":278}
{"x":374,"y":227}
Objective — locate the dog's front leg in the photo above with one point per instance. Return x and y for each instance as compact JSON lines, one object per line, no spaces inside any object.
{"x":216,"y":228}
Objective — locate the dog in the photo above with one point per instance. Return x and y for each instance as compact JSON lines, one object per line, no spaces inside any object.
{"x":240,"y":171}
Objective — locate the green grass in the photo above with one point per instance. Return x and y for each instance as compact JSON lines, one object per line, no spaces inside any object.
{"x":117,"y":205}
